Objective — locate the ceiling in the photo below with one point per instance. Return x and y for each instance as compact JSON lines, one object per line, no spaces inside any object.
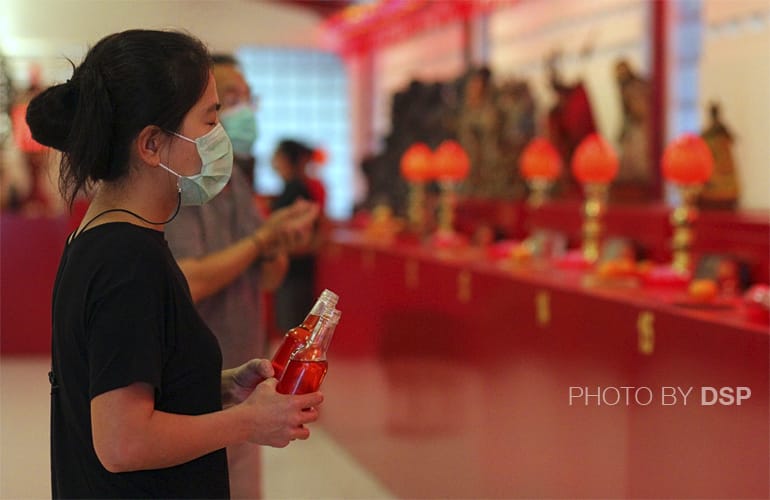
{"x":323,"y":8}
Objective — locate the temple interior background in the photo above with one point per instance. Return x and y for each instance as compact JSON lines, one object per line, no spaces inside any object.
{"x":484,"y":287}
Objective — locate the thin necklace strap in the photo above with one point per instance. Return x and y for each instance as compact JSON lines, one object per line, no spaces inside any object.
{"x":85,"y":226}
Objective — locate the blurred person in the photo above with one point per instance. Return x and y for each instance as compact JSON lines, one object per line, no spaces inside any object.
{"x":37,"y":161}
{"x":296,"y":294}
{"x":635,"y":177}
{"x":140,"y":405}
{"x":478,"y":130}
{"x":568,"y":122}
{"x":15,"y":184}
{"x":213,"y":244}
{"x":14,"y":181}
{"x":722,"y":189}
{"x":517,"y":110}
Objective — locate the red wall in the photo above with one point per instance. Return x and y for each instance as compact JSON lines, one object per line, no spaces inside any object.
{"x":29,"y":257}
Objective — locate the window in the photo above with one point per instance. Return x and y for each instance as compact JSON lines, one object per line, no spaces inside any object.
{"x":302,"y":95}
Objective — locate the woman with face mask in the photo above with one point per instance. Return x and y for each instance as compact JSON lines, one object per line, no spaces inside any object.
{"x":140,"y":406}
{"x":226,"y":282}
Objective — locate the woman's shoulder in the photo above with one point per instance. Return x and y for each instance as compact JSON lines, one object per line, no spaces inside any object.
{"x":110,"y":231}
{"x":121,"y":244}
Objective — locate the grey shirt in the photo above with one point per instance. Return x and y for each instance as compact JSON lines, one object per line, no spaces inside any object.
{"x":235,"y":313}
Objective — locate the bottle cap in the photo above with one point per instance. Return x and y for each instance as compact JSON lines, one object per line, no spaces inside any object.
{"x":329,"y":297}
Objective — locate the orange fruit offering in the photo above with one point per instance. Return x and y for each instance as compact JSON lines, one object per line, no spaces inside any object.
{"x":616,"y":268}
{"x":703,"y":290}
{"x":521,"y":253}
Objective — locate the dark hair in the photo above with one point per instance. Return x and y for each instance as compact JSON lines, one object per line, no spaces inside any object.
{"x":297,"y":153}
{"x":127,"y":81}
{"x":226,"y":59}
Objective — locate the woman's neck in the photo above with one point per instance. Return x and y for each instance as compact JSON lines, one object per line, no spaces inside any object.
{"x":121,"y":206}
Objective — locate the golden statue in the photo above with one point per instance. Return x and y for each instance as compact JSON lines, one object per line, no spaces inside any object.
{"x":721,"y":191}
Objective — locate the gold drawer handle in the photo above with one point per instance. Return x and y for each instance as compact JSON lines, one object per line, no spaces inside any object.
{"x":464,"y":286}
{"x":543,"y":308}
{"x":645,"y":326}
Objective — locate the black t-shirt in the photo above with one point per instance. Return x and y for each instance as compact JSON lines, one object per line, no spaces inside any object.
{"x":122,"y":313}
{"x":293,"y":190}
{"x":300,"y":266}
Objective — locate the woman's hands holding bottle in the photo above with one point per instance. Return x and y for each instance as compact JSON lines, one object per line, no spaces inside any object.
{"x":275,"y":419}
{"x":239,"y":382}
{"x":270,"y":418}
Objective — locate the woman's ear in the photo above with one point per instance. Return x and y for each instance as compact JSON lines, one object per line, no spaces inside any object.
{"x":148,"y":144}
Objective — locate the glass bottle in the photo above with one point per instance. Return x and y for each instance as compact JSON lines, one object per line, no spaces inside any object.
{"x":307,"y":367}
{"x":299,"y":335}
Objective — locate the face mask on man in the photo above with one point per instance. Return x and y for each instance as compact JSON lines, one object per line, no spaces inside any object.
{"x":216,"y":153}
{"x":241,"y":127}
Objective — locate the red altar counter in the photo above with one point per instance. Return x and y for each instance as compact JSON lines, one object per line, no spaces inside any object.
{"x":743,"y":235}
{"x":458,"y":377}
{"x":30,"y":248}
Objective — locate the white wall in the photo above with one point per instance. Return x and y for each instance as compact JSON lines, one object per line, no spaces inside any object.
{"x":360,"y":71}
{"x":44,"y":31}
{"x":722,"y":53}
{"x":522,"y":36}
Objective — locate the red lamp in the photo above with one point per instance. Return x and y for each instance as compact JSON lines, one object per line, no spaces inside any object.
{"x":688,"y":161}
{"x":595,"y":165}
{"x":451,"y":161}
{"x":540,"y":160}
{"x":417,"y":163}
{"x":451,"y":164}
{"x":594,"y":161}
{"x":417,"y":168}
{"x":540,"y":165}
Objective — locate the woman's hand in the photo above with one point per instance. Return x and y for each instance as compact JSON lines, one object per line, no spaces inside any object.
{"x":238,"y":383}
{"x":277,"y":419}
{"x":130,"y":434}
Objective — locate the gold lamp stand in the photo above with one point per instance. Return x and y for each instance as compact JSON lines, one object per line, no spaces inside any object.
{"x":538,"y":191}
{"x":415,"y":209}
{"x":593,"y":211}
{"x":682,"y":220}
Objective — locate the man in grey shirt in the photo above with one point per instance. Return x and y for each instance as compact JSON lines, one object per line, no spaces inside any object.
{"x":229,"y":255}
{"x":232,"y":307}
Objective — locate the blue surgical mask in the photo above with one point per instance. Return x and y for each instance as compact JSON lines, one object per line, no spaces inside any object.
{"x":216,"y":153}
{"x":241,"y":127}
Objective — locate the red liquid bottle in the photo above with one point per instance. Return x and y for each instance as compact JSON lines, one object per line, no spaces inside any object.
{"x":299,"y":335}
{"x":307,"y":367}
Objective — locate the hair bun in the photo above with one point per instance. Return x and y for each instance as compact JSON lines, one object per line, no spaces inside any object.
{"x":50,"y":115}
